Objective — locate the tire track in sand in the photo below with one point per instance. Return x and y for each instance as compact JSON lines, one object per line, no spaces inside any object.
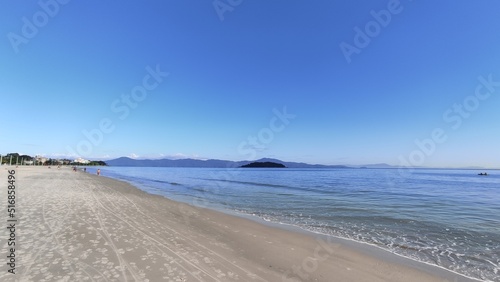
{"x":151,"y":239}
{"x":151,"y":219}
{"x":123,"y":264}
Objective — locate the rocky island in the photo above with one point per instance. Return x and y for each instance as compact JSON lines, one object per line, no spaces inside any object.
{"x":264,"y":165}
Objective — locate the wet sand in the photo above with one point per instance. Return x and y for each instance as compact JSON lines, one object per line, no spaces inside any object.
{"x":74,"y":226}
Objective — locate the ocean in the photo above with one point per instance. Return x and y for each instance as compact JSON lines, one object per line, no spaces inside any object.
{"x":449,"y":218}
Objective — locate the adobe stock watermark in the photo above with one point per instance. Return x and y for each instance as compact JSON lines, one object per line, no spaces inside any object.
{"x":249,"y":149}
{"x":323,"y":251}
{"x":31,"y":26}
{"x":121,"y":107}
{"x":363,"y":37}
{"x":223,"y":6}
{"x":454,"y":116}
{"x":265,"y":136}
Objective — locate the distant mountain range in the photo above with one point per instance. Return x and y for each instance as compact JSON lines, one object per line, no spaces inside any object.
{"x":214,"y":163}
{"x":124,"y":161}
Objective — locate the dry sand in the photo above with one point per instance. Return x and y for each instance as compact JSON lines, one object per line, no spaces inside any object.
{"x":74,"y":226}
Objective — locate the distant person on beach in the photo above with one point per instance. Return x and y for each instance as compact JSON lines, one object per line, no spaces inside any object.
{"x":84,"y":169}
{"x":98,"y":172}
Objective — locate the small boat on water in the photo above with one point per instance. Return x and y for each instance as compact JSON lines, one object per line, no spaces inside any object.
{"x":483,"y":173}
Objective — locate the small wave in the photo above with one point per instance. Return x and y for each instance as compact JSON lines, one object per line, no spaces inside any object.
{"x":248,"y":183}
{"x":164,"y":182}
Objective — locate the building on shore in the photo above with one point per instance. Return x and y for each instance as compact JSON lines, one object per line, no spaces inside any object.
{"x":81,"y":161}
{"x":40,"y":159}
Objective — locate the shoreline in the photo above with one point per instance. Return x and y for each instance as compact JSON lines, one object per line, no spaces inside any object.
{"x":359,"y":246}
{"x":194,"y":243}
{"x":363,"y":247}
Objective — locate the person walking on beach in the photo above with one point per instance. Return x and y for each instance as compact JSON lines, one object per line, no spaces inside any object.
{"x":98,"y":172}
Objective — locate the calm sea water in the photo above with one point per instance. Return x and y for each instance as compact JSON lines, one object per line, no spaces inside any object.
{"x":449,"y":218}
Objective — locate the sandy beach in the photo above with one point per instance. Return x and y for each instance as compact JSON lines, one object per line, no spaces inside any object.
{"x":76,"y":226}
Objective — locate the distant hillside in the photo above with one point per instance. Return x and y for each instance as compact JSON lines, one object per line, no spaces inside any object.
{"x":377,"y":166}
{"x":300,"y":165}
{"x":124,"y":161}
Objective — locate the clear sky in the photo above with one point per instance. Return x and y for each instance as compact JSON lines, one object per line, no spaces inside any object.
{"x":329,"y":82}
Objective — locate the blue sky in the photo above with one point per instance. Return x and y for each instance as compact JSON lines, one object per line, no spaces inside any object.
{"x":251,"y":79}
